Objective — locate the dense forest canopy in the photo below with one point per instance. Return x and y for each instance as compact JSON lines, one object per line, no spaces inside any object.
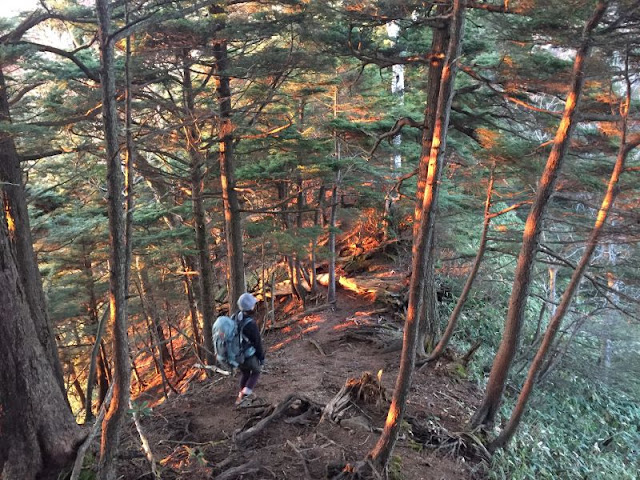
{"x":469,"y":168}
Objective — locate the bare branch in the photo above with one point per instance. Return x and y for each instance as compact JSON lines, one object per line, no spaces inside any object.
{"x":397,"y":128}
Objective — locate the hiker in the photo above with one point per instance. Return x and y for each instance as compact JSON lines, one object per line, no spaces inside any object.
{"x":251,"y":367}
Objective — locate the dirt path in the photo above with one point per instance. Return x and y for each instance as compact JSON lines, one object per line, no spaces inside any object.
{"x":191,"y":434}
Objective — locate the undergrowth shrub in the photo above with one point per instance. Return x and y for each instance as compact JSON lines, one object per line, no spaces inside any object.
{"x":577,"y":430}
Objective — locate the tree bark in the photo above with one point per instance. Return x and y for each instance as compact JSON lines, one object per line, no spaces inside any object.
{"x":38,"y":433}
{"x":427,"y":304}
{"x":331,"y":288}
{"x":99,"y":323}
{"x":150,"y":302}
{"x":486,"y":412}
{"x":114,"y":419}
{"x":232,"y":221}
{"x":205,"y":269}
{"x":96,"y":361}
{"x":565,"y":302}
{"x":383,"y":449}
{"x":16,"y":206}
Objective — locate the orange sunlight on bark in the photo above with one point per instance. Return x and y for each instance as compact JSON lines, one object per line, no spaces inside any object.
{"x":11,"y":224}
{"x":392,"y":416}
{"x":529,"y":228}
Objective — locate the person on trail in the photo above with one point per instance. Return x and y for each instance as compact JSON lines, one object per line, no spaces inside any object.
{"x":252,"y":366}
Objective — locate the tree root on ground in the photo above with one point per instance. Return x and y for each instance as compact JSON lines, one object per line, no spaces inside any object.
{"x":233,"y":473}
{"x":456,"y":444}
{"x":298,"y":407}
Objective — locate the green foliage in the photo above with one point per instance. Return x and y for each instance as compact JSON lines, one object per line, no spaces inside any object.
{"x":395,"y":468}
{"x":141,"y":408}
{"x":577,"y":429}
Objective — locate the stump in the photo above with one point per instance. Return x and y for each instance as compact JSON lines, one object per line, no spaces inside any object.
{"x":367,"y":390}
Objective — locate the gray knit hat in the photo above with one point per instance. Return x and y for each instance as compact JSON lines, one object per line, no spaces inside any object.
{"x":247,"y":302}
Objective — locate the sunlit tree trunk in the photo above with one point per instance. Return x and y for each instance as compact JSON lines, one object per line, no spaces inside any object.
{"x":115,"y":416}
{"x":427,"y":308}
{"x":383,"y":449}
{"x":486,"y":412}
{"x":567,"y":297}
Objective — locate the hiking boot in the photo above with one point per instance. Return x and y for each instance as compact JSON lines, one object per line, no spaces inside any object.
{"x":245,"y":400}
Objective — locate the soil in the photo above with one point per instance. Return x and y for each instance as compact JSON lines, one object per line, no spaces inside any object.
{"x":192,"y":433}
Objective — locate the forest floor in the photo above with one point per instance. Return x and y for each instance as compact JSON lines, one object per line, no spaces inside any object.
{"x":192,"y":435}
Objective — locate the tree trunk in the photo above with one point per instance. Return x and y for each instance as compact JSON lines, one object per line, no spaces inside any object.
{"x":297,"y":264}
{"x":76,"y":384}
{"x":427,"y":302}
{"x":486,"y":413}
{"x":428,"y":318}
{"x":151,"y":306}
{"x":94,"y":319}
{"x":331,"y":292}
{"x":38,"y":433}
{"x":114,"y":419}
{"x":96,"y":361}
{"x":233,"y":228}
{"x":567,"y":297}
{"x":16,"y":207}
{"x":193,"y":308}
{"x":455,"y":314}
{"x":383,"y":449}
{"x":205,"y":269}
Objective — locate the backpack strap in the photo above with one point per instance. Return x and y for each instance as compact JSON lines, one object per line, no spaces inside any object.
{"x":241,"y":321}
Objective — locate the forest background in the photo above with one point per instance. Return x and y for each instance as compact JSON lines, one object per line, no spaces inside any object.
{"x":158,"y":158}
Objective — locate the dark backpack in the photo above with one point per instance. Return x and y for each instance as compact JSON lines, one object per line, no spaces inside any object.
{"x":230,"y":345}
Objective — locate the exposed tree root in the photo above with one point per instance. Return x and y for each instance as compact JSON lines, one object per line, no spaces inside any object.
{"x":307,"y":474}
{"x":456,"y":444}
{"x":234,"y":473}
{"x":295,"y":406}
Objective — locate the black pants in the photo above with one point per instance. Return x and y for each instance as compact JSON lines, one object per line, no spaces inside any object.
{"x":250,"y":370}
